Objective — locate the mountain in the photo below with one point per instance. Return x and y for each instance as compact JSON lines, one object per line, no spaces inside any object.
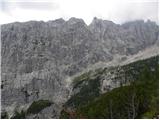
{"x":41,"y":59}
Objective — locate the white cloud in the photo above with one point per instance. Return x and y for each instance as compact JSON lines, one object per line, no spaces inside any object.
{"x":118,"y":11}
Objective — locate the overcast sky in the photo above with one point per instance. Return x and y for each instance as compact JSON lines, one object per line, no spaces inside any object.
{"x":118,"y":11}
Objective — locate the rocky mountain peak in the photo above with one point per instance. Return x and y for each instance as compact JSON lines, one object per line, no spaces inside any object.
{"x":60,"y":21}
{"x":96,"y":22}
{"x":74,"y":20}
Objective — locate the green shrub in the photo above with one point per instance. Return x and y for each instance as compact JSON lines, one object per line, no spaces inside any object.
{"x":87,"y":93}
{"x":17,"y":115}
{"x":37,"y":106}
{"x":64,"y":115}
{"x":148,"y":115}
{"x":4,"y":115}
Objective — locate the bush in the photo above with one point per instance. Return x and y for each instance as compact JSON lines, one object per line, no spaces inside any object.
{"x":4,"y":115}
{"x":87,"y":93}
{"x":37,"y":106}
{"x":64,"y":115}
{"x":17,"y":115}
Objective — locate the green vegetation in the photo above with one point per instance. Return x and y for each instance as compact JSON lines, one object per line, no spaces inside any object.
{"x":64,"y":114}
{"x":89,"y":86}
{"x":34,"y":108}
{"x":19,"y":115}
{"x":4,"y":115}
{"x":138,"y":100}
{"x":37,"y":106}
{"x":125,"y":102}
{"x":89,"y":90}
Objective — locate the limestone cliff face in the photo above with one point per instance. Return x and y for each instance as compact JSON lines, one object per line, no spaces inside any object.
{"x":39,"y":58}
{"x":128,"y":38}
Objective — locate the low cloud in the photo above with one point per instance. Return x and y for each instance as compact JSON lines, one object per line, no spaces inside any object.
{"x":9,"y":6}
{"x":114,"y":10}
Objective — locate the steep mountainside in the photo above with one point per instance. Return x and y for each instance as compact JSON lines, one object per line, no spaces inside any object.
{"x":39,"y":59}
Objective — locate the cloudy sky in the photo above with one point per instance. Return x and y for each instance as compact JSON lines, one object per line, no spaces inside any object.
{"x":118,"y":11}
